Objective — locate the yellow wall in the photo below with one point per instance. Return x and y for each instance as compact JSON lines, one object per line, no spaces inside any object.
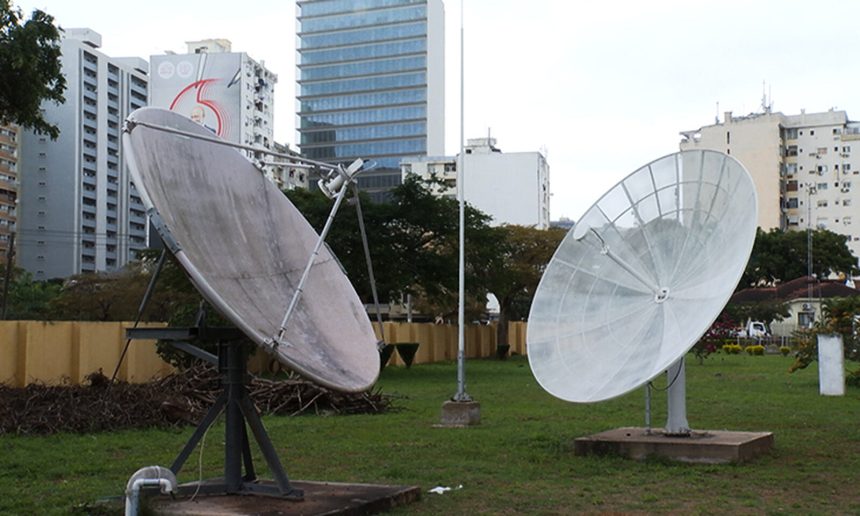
{"x":66,"y":352}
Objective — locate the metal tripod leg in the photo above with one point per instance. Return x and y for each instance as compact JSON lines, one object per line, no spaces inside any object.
{"x":204,"y":425}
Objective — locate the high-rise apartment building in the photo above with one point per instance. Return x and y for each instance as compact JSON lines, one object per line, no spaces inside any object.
{"x":227,"y":92}
{"x":510,"y":187}
{"x":78,"y":210}
{"x":371,"y":84}
{"x":806,"y":167}
{"x":8,"y":186}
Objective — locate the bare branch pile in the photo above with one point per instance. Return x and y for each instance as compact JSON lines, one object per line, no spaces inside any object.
{"x":179,"y":399}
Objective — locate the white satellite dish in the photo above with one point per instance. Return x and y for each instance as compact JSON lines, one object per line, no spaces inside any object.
{"x":642,"y":275}
{"x":245,"y":247}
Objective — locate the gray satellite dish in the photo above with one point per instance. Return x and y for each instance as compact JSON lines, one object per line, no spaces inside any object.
{"x":245,"y":247}
{"x":642,"y":276}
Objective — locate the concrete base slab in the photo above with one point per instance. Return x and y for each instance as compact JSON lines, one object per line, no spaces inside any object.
{"x":459,"y":414}
{"x":706,"y":447}
{"x":328,"y":498}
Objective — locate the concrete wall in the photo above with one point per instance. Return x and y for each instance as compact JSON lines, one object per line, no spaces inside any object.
{"x":65,"y":352}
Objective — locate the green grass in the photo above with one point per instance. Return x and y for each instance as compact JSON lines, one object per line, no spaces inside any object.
{"x":519,"y":460}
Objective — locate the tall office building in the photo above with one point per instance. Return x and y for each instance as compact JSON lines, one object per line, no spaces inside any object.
{"x":78,"y":210}
{"x":805,"y":167}
{"x":371,"y":84}
{"x":8,"y":186}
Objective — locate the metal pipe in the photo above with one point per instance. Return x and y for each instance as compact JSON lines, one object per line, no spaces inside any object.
{"x":461,"y":317}
{"x":214,"y":139}
{"x":307,"y":271}
{"x":648,"y":408}
{"x":369,"y":262}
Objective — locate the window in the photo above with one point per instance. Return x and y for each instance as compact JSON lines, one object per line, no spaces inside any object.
{"x":728,"y":137}
{"x":822,"y":204}
{"x":805,"y":319}
{"x":812,"y":133}
{"x":846,"y":202}
{"x":821,"y":186}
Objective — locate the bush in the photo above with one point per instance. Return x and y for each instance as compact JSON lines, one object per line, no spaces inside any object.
{"x":731,"y":349}
{"x":785,"y":350}
{"x":756,"y":349}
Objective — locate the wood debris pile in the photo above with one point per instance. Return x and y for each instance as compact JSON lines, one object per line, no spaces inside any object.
{"x":179,"y":399}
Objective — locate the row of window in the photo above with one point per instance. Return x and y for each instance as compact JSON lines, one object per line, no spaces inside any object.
{"x":367,"y":116}
{"x":373,"y":132}
{"x":374,"y":51}
{"x":401,"y":64}
{"x":353,"y":37}
{"x":351,"y":20}
{"x":364,"y":100}
{"x":340,"y":6}
{"x":384,"y":82}
{"x":379,"y":181}
{"x":334,"y":152}
{"x":8,"y":133}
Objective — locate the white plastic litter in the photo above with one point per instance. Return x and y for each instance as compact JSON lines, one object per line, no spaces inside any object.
{"x":443,"y":489}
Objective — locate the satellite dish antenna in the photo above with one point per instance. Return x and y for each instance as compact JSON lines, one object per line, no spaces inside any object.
{"x":641,"y":276}
{"x":245,"y":246}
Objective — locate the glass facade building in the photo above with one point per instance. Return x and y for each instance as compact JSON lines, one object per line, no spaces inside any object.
{"x":370,"y":84}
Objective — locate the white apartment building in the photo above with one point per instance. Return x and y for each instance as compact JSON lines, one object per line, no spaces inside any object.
{"x":78,"y":209}
{"x":513,"y":187}
{"x":806,"y":167}
{"x":227,"y":92}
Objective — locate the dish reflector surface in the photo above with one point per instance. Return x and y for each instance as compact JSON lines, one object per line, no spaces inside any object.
{"x":651,"y":266}
{"x":245,"y":246}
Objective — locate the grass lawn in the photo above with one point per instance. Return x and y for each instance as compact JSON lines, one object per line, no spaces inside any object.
{"x":519,"y":460}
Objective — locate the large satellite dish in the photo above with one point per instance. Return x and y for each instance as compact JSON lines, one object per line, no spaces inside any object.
{"x":643,"y":274}
{"x":245,"y":246}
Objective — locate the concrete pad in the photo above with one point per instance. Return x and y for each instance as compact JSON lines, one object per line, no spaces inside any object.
{"x":460,"y":414}
{"x":705,"y":447}
{"x":321,"y":498}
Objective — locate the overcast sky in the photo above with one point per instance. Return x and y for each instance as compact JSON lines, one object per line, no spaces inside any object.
{"x":601,"y":87}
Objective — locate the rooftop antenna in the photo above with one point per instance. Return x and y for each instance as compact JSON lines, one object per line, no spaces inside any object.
{"x":717,"y":115}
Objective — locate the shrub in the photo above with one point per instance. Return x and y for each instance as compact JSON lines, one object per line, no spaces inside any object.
{"x":731,"y":349}
{"x":785,"y":350}
{"x":756,"y":349}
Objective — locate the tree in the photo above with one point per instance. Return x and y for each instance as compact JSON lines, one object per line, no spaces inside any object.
{"x":29,"y":299}
{"x":413,"y":241}
{"x":782,"y":256}
{"x":30,"y":68}
{"x":520,"y":257}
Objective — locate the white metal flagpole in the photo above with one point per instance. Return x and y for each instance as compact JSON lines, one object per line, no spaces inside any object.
{"x":461,"y":341}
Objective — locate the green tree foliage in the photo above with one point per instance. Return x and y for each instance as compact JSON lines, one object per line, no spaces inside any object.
{"x":765,"y":311}
{"x":782,"y":256}
{"x":30,"y":68}
{"x":29,"y":299}
{"x":839,"y":315}
{"x":514,"y":268}
{"x":414,"y":241}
